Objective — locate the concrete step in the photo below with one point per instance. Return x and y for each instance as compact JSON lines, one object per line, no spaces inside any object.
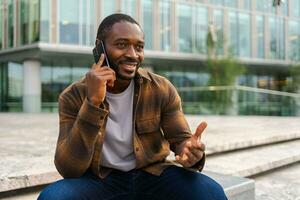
{"x":249,"y":162}
{"x":236,"y":188}
{"x":229,"y":133}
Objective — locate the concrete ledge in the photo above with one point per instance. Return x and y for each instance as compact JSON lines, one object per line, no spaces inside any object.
{"x":26,"y":181}
{"x":236,"y":188}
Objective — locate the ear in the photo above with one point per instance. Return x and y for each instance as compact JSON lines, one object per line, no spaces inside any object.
{"x":97,"y":42}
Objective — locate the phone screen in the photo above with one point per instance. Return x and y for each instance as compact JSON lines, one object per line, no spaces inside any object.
{"x":97,"y":51}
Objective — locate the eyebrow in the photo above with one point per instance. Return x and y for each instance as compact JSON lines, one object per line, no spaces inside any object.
{"x":127,"y":40}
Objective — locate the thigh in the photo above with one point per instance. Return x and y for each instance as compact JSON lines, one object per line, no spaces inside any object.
{"x":87,"y":187}
{"x":179,"y":183}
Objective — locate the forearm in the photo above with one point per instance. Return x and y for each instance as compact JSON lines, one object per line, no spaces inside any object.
{"x":77,"y":138}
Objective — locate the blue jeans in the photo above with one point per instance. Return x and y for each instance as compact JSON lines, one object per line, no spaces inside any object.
{"x":174,"y":183}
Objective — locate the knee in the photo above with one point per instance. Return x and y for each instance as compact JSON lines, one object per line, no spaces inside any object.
{"x":215,"y":189}
{"x":59,"y":191}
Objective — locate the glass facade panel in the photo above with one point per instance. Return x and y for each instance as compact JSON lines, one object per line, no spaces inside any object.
{"x":284,"y":8}
{"x":260,"y":37}
{"x":165,"y":25}
{"x":217,"y":2}
{"x":1,"y":24}
{"x":233,"y":34}
{"x":246,"y":4}
{"x":184,"y":18}
{"x":69,"y":21}
{"x":276,"y":35}
{"x":15,"y":87}
{"x":109,"y":7}
{"x":148,"y":23}
{"x":230,"y":3}
{"x":244,"y":43}
{"x":10,"y":30}
{"x":295,"y":11}
{"x":29,"y":21}
{"x":129,"y":7}
{"x":201,"y":28}
{"x":45,"y":20}
{"x":88,"y":21}
{"x":294,"y":40}
{"x":219,"y":27}
{"x":78,"y":73}
{"x":265,"y":6}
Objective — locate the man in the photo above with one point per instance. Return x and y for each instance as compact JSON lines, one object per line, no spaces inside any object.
{"x":117,"y":127}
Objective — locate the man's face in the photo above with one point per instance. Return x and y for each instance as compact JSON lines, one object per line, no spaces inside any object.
{"x":125,"y":48}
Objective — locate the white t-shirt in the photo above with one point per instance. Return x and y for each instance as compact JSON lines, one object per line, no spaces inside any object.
{"x":117,"y":152}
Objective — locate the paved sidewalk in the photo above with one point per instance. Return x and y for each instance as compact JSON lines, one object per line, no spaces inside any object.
{"x":27,"y":141}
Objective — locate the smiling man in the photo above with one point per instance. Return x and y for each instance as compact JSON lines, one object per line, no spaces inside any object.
{"x":118,"y":125}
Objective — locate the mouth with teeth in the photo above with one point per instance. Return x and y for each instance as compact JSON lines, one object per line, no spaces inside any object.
{"x":129,"y":66}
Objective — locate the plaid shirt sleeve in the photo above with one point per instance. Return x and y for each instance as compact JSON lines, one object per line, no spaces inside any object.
{"x":80,"y":123}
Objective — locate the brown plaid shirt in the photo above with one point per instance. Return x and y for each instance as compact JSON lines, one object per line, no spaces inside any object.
{"x":158,"y":123}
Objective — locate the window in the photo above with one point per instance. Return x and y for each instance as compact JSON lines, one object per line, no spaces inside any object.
{"x":246,"y":4}
{"x":109,"y":7}
{"x":148,"y":23}
{"x":276,"y":35}
{"x":184,"y":18}
{"x":45,"y":20}
{"x":294,"y":40}
{"x":260,"y":37}
{"x":29,"y":21}
{"x":69,"y":21}
{"x":201,"y":28}
{"x":1,"y":24}
{"x":233,"y":34}
{"x":244,"y":29}
{"x":10,"y":23}
{"x":218,"y":25}
{"x":88,"y":22}
{"x":165,"y":25}
{"x":129,"y":7}
{"x":265,"y":6}
{"x":295,"y":5}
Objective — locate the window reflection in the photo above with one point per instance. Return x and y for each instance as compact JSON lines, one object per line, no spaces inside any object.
{"x":109,"y":7}
{"x":201,"y":25}
{"x":184,"y":19}
{"x":69,"y":21}
{"x":260,"y":37}
{"x":294,"y":40}
{"x":165,"y":25}
{"x":295,"y":5}
{"x":129,"y":7}
{"x":29,"y":20}
{"x":276,"y":35}
{"x":45,"y":21}
{"x":244,"y":38}
{"x":148,"y":23}
{"x":218,"y":23}
{"x":10,"y":23}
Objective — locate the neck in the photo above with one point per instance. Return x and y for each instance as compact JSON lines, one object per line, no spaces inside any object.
{"x":120,"y":85}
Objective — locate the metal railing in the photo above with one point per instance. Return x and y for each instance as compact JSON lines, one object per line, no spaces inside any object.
{"x":238,"y":100}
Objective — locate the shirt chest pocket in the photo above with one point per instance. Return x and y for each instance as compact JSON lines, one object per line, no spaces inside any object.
{"x":148,"y":125}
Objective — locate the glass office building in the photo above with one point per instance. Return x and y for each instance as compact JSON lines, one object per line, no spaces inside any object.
{"x":46,"y":44}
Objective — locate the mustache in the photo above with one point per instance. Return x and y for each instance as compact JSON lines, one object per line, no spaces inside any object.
{"x":130,"y":60}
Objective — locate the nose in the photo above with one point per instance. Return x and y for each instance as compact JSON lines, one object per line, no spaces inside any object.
{"x":131,"y":52}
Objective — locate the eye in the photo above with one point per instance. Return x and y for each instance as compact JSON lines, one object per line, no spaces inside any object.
{"x":121,"y":45}
{"x":139,"y":47}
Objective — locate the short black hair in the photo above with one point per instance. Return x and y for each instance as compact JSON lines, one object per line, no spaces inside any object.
{"x":110,"y":20}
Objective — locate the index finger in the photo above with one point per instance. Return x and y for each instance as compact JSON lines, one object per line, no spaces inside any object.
{"x":200,"y":130}
{"x":101,"y":59}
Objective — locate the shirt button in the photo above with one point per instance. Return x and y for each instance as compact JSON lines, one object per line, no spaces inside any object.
{"x":137,"y":149}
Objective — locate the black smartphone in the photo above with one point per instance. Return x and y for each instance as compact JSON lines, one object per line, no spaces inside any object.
{"x":97,"y":51}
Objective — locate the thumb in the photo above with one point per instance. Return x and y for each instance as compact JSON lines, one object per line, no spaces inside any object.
{"x":200,"y":130}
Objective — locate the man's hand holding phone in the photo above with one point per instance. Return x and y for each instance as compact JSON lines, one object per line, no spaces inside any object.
{"x":97,"y":80}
